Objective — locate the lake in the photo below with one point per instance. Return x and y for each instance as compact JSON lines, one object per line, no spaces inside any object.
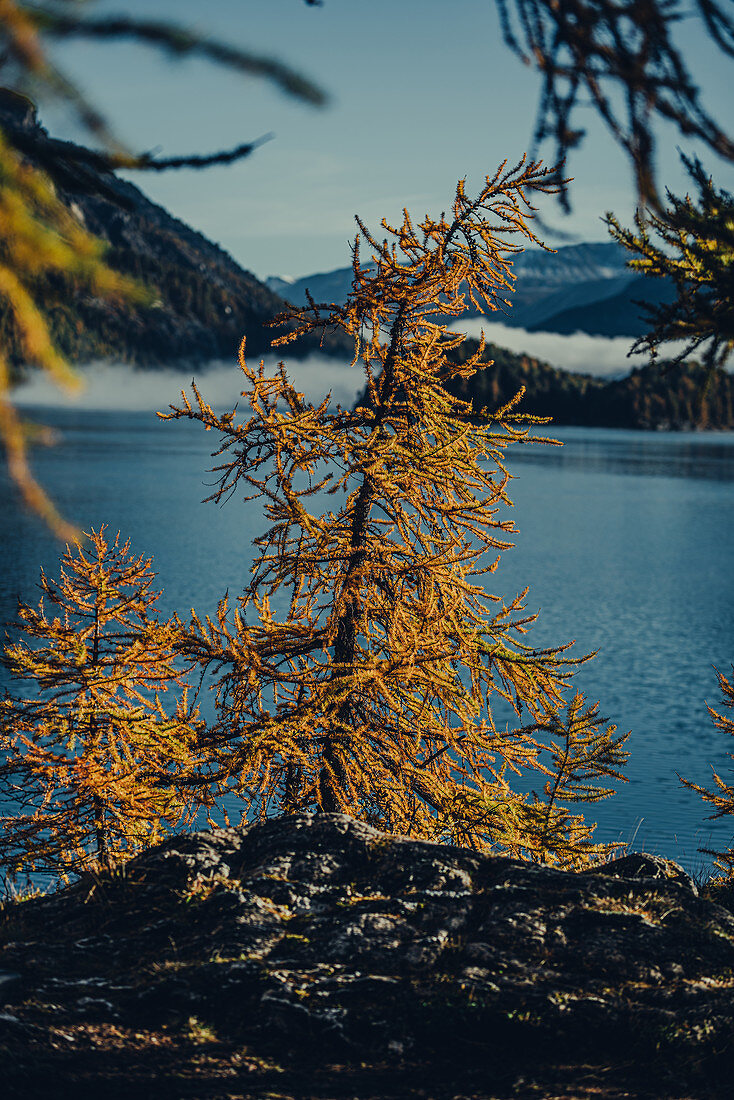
{"x":625,"y":541}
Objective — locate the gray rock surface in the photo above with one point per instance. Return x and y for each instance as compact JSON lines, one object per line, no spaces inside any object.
{"x":316,"y":937}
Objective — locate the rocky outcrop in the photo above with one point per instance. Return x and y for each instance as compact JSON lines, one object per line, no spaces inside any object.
{"x":318,"y":954}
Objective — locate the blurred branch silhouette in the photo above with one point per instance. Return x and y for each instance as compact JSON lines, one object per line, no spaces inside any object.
{"x":622,"y":56}
{"x":692,"y":245}
{"x":39,"y":234}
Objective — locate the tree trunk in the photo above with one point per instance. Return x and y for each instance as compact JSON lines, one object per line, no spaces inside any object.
{"x":333,"y":773}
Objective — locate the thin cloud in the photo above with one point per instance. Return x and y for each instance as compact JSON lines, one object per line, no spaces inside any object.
{"x":113,"y":386}
{"x":598,"y":355}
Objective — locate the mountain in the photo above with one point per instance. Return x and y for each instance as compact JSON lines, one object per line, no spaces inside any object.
{"x":204,"y":301}
{"x":578,"y":288}
{"x":329,"y":286}
{"x":683,"y":397}
{"x":617,"y":312}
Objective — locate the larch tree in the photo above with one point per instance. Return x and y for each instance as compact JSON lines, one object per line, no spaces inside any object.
{"x":90,"y":757}
{"x":691,"y":244}
{"x":721,"y":794}
{"x":358,"y":671}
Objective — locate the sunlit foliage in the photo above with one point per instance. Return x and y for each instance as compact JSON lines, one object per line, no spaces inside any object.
{"x":583,"y":749}
{"x":721,"y":795}
{"x":90,"y":755}
{"x":359,"y":670}
{"x":692,"y":244}
{"x":39,"y":235}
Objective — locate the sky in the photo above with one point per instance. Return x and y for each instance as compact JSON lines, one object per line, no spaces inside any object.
{"x":422,"y":92}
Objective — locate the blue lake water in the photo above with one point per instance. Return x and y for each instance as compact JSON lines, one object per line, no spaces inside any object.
{"x":625,"y":541}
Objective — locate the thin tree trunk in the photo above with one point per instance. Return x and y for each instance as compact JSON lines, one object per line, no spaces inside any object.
{"x":332,"y":775}
{"x":103,"y":854}
{"x":100,"y":831}
{"x":292,"y":787}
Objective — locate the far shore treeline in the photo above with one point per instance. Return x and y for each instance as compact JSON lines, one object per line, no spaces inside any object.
{"x":681,"y":397}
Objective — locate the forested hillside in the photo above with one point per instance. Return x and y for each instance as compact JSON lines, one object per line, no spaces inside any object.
{"x":202,"y":302}
{"x":654,"y":396}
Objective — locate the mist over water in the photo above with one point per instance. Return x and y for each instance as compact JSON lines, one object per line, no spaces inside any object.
{"x":604,"y":356}
{"x":130,"y":389}
{"x":127,"y":389}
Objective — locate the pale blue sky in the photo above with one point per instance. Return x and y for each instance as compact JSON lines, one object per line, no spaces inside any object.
{"x":423,"y":91}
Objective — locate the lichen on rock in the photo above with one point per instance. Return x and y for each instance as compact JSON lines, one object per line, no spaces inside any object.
{"x":317,"y":939}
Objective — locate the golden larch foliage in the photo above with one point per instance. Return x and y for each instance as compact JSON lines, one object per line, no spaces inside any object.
{"x":583,"y":749}
{"x":358,"y":671}
{"x":39,"y":234}
{"x":91,"y":756}
{"x":721,"y":795}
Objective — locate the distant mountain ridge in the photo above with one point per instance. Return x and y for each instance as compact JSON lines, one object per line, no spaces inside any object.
{"x":577,"y":288}
{"x":205,"y":302}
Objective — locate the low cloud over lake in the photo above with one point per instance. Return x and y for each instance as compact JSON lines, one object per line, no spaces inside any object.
{"x":603,"y":356}
{"x":111,"y":386}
